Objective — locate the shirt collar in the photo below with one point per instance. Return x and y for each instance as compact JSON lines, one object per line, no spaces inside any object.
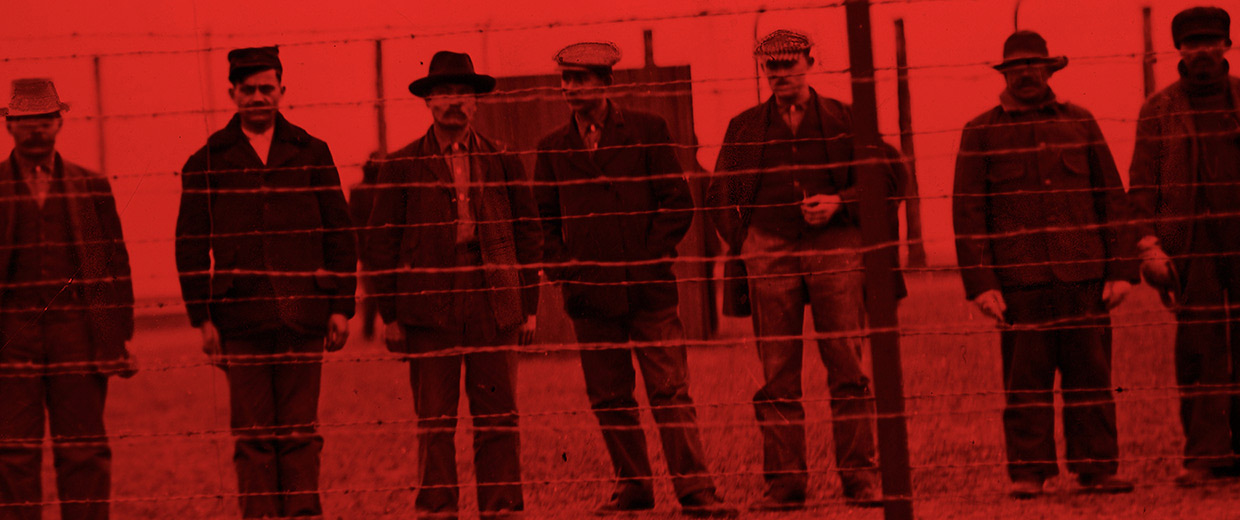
{"x":801,"y":102}
{"x":25,"y":167}
{"x":444,"y":145}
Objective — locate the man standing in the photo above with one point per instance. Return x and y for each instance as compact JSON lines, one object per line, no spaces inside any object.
{"x":1186,"y":197}
{"x":1039,"y":216}
{"x":265,"y":249}
{"x":453,"y":225}
{"x":609,"y":190}
{"x":66,"y":311}
{"x":784,"y":197}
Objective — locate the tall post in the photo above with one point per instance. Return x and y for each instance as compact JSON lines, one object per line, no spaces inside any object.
{"x":912,"y":204}
{"x":1149,"y":58}
{"x":380,"y":99}
{"x":99,"y":124}
{"x":880,"y":291}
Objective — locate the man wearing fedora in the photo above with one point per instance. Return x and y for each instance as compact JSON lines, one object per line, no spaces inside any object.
{"x":1185,"y":193}
{"x":267,"y":262}
{"x":66,"y":312}
{"x":784,"y":199}
{"x":455,"y":234}
{"x":610,"y":190}
{"x":1041,"y":239}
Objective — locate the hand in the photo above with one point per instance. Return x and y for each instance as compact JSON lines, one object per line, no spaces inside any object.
{"x":991,"y":303}
{"x":528,"y":329}
{"x":128,"y":366}
{"x":394,"y":335}
{"x":210,"y":341}
{"x":337,"y":332}
{"x":1156,"y":267}
{"x":1114,"y":291}
{"x":819,"y":209}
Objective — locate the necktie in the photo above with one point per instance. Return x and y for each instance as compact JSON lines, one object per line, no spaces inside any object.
{"x":793,"y":115}
{"x":40,"y":182}
{"x":459,"y":161}
{"x":593,"y":133}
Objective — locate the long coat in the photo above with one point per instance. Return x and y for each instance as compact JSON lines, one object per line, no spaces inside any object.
{"x":292,"y":207}
{"x":624,"y":202}
{"x":100,"y":247}
{"x":413,"y":239}
{"x":1038,"y":199}
{"x":1165,"y":166}
{"x":731,"y":195}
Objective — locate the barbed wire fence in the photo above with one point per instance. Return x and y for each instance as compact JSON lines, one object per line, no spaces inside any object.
{"x":925,"y":406}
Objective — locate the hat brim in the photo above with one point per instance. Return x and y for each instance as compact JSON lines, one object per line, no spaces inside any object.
{"x":6,"y":112}
{"x":1054,"y":63}
{"x":481,"y":83}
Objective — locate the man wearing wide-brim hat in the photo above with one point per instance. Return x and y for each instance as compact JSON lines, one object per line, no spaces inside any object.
{"x":66,"y":313}
{"x":1041,"y":239}
{"x":267,"y":261}
{"x":1185,"y":193}
{"x":448,"y":204}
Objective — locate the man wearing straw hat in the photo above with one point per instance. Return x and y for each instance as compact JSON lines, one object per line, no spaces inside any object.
{"x":454,"y":228}
{"x":784,"y":197}
{"x":611,"y":190}
{"x":1041,"y":239}
{"x":1186,"y":197}
{"x":265,"y":249}
{"x":66,"y":312}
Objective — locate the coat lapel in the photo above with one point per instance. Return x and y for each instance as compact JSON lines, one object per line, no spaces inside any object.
{"x":615,"y":139}
{"x":8,"y":212}
{"x":575,"y":150}
{"x":432,"y":158}
{"x":838,"y":143}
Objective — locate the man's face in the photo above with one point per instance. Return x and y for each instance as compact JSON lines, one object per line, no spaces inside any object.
{"x":787,"y":77}
{"x":258,"y":98}
{"x":452,"y":105}
{"x":1203,"y":56}
{"x":35,"y":136}
{"x":583,"y":90}
{"x":1028,"y":82}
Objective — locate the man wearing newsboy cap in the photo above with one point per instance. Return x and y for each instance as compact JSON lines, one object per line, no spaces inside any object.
{"x":1185,"y":177}
{"x":610,"y":190}
{"x":66,"y":312}
{"x":450,"y":203}
{"x":1040,"y":219}
{"x":784,"y":197}
{"x":265,"y":250}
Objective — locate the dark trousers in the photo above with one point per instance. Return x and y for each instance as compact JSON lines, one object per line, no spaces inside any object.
{"x":73,"y":397}
{"x":824,"y":271}
{"x":275,"y":404}
{"x":1079,"y":346}
{"x":1207,"y":361}
{"x":490,"y":387}
{"x":611,"y":381}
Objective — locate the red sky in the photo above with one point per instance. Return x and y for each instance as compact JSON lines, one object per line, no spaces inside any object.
{"x":151,"y":66}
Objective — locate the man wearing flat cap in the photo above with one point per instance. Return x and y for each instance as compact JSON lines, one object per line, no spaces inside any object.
{"x":610,"y":190}
{"x":267,"y":261}
{"x":783,"y":198}
{"x":1185,"y":193}
{"x":66,"y":312}
{"x":1042,"y":241}
{"x":453,"y":242}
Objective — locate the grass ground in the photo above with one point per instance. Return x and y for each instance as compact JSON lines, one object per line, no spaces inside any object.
{"x":955,"y":434}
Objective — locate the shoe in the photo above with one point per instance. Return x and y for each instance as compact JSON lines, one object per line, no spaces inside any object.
{"x":792,"y":501}
{"x":1025,"y":489}
{"x":706,"y":504}
{"x":862,"y":488}
{"x":1103,"y":484}
{"x":626,"y":502}
{"x":1194,"y":477}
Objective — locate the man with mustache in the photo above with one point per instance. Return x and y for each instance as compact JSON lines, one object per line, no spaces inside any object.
{"x":1040,"y":219}
{"x":265,"y":249}
{"x":611,"y":190}
{"x":1186,"y":196}
{"x":66,"y":312}
{"x":454,"y":236}
{"x":784,"y":199}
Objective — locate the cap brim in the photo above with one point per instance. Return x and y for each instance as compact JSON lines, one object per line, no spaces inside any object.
{"x":1054,"y":63}
{"x":481,"y":83}
{"x":5,"y":112}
